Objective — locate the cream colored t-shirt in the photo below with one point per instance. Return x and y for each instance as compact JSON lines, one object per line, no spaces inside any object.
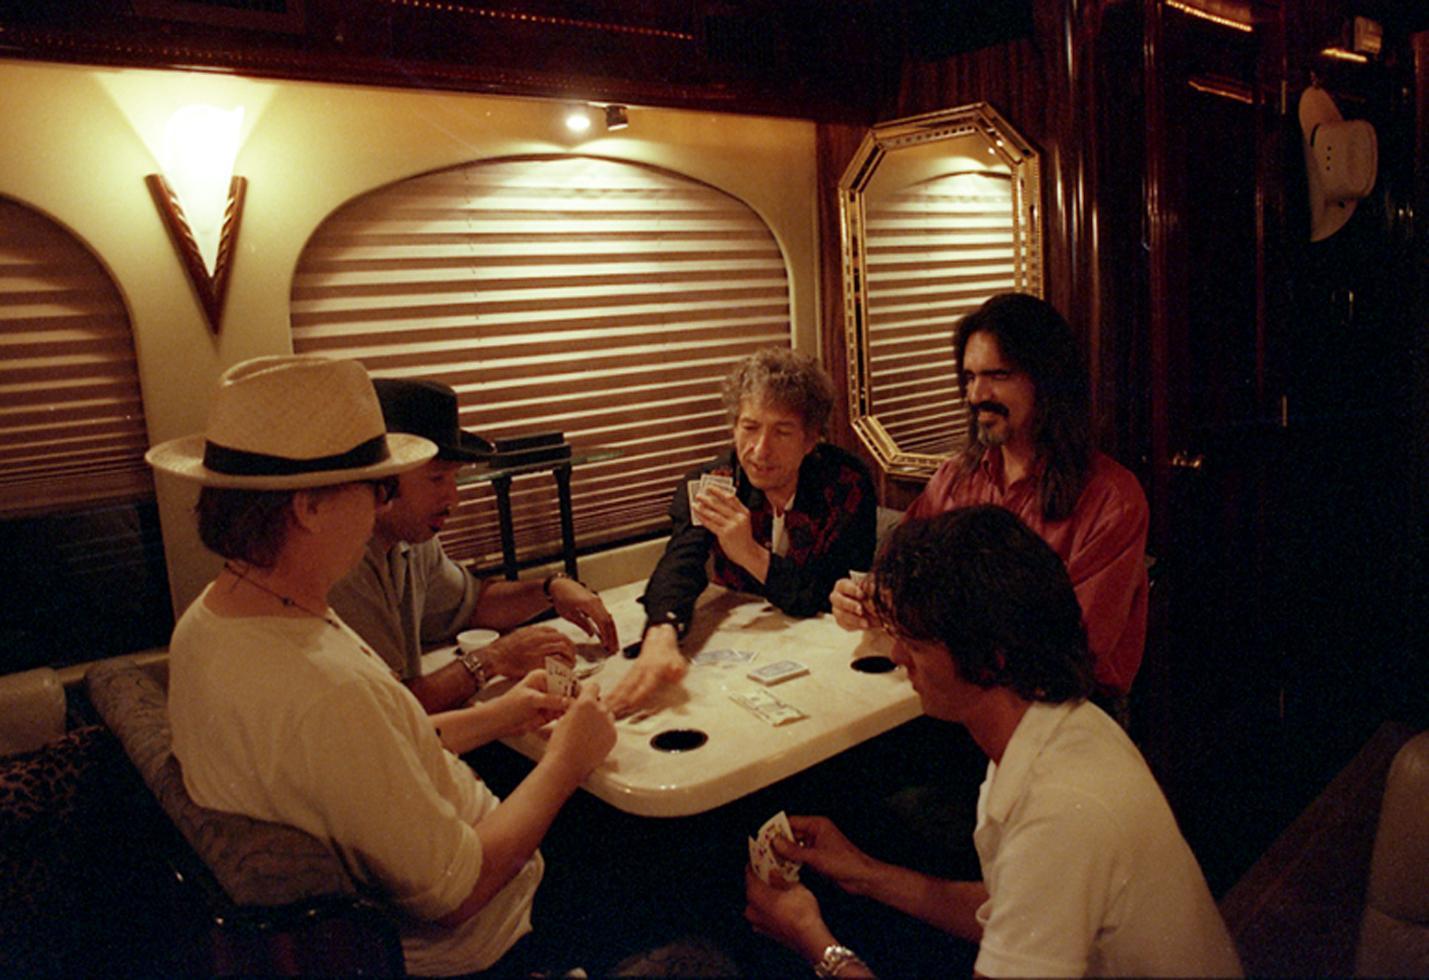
{"x":295,"y":721}
{"x":1087,"y":871}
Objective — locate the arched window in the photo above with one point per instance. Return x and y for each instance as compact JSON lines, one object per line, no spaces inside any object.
{"x":83,"y":575}
{"x":596,"y":297}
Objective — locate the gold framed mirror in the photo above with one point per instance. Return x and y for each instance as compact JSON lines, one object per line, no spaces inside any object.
{"x":938,"y":212}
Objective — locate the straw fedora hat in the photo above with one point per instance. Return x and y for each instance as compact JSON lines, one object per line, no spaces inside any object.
{"x":1341,"y":159}
{"x":290,"y":422}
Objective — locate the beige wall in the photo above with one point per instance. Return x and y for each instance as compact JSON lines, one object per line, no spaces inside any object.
{"x":80,"y":140}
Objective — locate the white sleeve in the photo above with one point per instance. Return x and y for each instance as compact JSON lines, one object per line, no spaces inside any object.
{"x":1050,"y":886}
{"x":372,"y":771}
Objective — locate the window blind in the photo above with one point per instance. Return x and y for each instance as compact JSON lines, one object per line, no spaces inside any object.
{"x":71,"y":416}
{"x":934,"y":252}
{"x":597,"y":297}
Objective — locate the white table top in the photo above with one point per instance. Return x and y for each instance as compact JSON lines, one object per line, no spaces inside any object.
{"x":743,"y":752}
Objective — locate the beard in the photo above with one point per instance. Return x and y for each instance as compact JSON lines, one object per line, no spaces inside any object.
{"x":989,"y":433}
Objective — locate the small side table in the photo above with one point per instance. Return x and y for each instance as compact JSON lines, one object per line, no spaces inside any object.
{"x":500,"y":480}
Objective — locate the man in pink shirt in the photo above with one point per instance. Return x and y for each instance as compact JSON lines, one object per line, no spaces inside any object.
{"x":1030,"y":451}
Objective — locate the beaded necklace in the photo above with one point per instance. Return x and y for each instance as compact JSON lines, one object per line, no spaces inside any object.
{"x":288,"y":601}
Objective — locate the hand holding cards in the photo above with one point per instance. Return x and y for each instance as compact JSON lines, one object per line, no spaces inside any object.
{"x":766,"y":862}
{"x":561,"y":678}
{"x":697,"y":487}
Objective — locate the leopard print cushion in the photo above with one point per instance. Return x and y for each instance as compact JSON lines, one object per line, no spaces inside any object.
{"x":52,"y":816}
{"x":42,"y":785}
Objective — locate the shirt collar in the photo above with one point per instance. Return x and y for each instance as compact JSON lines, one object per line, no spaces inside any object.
{"x":993,"y":469}
{"x":1008,"y":778}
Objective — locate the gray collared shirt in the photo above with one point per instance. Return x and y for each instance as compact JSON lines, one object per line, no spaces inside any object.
{"x":406,"y":597}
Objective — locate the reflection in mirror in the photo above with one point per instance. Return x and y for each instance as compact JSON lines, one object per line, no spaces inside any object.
{"x":939,"y":212}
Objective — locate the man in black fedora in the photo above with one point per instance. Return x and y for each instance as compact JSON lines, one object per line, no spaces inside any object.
{"x":406,"y":592}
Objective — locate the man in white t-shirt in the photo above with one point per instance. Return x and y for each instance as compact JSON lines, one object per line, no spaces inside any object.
{"x":1084,"y":871}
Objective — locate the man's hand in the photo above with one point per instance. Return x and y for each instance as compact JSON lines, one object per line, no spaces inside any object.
{"x":848,"y":603}
{"x":822,"y":846}
{"x":787,"y":914}
{"x":584,"y":736}
{"x":728,"y":520}
{"x":660,"y":663}
{"x":521,"y":651}
{"x":583,"y":607}
{"x":527,"y":706}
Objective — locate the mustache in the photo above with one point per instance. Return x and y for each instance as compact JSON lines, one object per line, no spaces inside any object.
{"x":996,"y":408}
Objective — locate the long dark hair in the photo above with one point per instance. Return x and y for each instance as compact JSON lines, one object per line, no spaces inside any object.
{"x":1039,"y":341}
{"x":983,"y":585}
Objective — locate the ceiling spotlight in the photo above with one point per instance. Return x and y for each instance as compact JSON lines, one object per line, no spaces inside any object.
{"x":616,"y":117}
{"x":578,"y":120}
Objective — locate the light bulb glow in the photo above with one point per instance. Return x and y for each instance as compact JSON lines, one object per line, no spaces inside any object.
{"x":200,"y":145}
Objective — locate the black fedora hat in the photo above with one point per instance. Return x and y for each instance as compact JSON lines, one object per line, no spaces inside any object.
{"x":429,"y":409}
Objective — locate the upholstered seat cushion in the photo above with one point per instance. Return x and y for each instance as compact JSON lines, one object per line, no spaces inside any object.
{"x":256,"y":862}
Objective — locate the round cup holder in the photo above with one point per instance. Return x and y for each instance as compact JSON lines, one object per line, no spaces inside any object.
{"x":679,"y":740}
{"x":873,"y":664}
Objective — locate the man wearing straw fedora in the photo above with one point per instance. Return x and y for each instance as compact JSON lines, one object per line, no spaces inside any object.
{"x":406,"y":592}
{"x":273,"y":698}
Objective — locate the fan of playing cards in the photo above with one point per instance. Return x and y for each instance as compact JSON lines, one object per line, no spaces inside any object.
{"x":697,"y":487}
{"x":561,"y":678}
{"x":762,"y":857}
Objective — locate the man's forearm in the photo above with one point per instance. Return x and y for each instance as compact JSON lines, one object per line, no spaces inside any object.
{"x":947,"y":905}
{"x":469,"y":728}
{"x":444,"y":689}
{"x":504,"y":605}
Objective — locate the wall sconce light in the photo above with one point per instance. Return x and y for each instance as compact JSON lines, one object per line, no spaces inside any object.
{"x":616,"y":117}
{"x":199,"y":198}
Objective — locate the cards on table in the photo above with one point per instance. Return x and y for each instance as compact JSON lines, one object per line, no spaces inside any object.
{"x":561,"y":678}
{"x":767,"y":706}
{"x":777,"y":672}
{"x":766,"y":863}
{"x":720,"y":658}
{"x":697,"y":487}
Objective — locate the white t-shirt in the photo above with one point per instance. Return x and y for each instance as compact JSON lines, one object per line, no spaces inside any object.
{"x":295,"y":721}
{"x":1087,"y":871}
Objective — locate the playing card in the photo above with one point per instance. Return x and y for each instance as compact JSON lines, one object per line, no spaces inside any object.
{"x":722,"y":657}
{"x":858,"y":577}
{"x":693,"y":487}
{"x":777,"y":672}
{"x":718,"y":480}
{"x":560,"y":677}
{"x":767,"y":706}
{"x":762,"y":856}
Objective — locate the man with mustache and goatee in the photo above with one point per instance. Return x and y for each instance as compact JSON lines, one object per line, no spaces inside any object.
{"x":1030,"y":451}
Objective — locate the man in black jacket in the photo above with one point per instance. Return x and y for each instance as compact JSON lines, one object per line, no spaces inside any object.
{"x":782,"y":514}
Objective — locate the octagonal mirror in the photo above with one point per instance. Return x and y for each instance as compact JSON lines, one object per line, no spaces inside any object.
{"x":938,"y":212}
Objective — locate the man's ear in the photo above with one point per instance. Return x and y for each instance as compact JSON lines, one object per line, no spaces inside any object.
{"x":305,"y":509}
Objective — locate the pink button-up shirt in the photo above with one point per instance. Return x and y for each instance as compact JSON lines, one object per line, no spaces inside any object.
{"x":1102,"y":543}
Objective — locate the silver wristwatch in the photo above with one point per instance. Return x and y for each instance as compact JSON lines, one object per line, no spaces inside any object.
{"x":833,"y":961}
{"x":474,"y":662}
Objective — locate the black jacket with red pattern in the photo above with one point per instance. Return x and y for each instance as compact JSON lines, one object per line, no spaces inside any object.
{"x":830,"y":526}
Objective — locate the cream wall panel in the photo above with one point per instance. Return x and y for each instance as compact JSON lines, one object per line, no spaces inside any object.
{"x":80,"y":141}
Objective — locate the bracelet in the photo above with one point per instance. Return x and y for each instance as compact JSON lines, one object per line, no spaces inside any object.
{"x":474,"y":662}
{"x":546,"y":585}
{"x":833,"y":961}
